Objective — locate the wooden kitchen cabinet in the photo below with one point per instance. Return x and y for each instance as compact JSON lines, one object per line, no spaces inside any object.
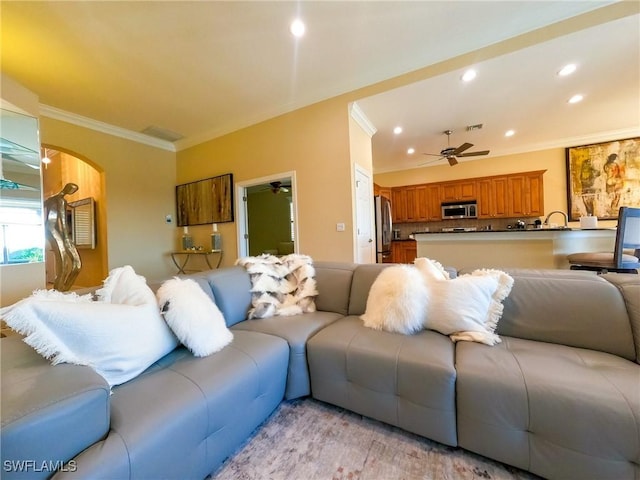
{"x":399,"y":204}
{"x":458,"y":191}
{"x":404,"y":251}
{"x":385,"y":192}
{"x":526,"y":195}
{"x":493,"y":197}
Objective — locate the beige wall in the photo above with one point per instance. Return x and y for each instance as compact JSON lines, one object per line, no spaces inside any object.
{"x":139,"y":182}
{"x":313,"y":142}
{"x":553,"y":161}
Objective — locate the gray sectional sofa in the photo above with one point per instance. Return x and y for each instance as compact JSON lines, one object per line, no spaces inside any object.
{"x":560,"y":396}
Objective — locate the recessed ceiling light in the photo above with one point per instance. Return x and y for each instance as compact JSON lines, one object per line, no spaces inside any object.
{"x":576,"y":98}
{"x":397,"y":130}
{"x":411,"y":151}
{"x":297,"y":28}
{"x":469,"y":75}
{"x":567,"y":70}
{"x":509,"y":133}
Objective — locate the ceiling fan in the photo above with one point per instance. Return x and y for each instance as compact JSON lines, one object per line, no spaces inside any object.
{"x":452,"y":153}
{"x":277,"y":187}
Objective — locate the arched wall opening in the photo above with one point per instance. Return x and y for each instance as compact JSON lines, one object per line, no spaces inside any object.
{"x":70,"y":167}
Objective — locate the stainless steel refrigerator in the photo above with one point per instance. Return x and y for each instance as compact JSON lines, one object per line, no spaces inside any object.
{"x":383,"y":229}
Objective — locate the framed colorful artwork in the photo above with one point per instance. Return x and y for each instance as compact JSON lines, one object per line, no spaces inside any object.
{"x":603,"y":177}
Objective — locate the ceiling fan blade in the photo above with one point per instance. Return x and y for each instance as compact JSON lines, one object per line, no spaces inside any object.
{"x":21,"y":162}
{"x":474,"y":154}
{"x":433,"y":154}
{"x":462,"y":148}
{"x":452,"y":160}
{"x":429,"y":162}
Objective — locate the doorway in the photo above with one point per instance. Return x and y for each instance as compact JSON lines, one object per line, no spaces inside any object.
{"x":267,"y":215}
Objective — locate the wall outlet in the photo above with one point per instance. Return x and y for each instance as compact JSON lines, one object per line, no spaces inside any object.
{"x":168,"y":219}
{"x":340,"y":227}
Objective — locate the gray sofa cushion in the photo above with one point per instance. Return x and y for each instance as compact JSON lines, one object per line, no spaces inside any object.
{"x":185,"y":415}
{"x":630,"y":289}
{"x":334,"y":286}
{"x":569,"y":308}
{"x":69,"y":404}
{"x":403,"y":380}
{"x":363,"y":278}
{"x":558,"y":411}
{"x":296,"y":330}
{"x":230,"y":289}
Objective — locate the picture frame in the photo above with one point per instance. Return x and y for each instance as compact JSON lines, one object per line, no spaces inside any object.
{"x":602,"y":177}
{"x":205,"y":201}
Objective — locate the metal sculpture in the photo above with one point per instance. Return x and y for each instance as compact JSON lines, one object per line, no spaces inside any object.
{"x":58,"y":231}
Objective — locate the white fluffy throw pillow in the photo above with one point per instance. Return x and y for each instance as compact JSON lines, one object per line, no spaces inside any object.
{"x":193,"y":316}
{"x":397,"y":301}
{"x":469,"y":306}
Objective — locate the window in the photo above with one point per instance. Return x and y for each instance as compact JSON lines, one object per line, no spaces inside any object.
{"x":21,"y":234}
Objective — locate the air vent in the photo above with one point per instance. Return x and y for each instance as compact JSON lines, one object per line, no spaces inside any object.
{"x":477,"y":126}
{"x":162,"y":133}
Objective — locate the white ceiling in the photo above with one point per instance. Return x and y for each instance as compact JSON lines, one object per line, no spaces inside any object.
{"x":202,"y":69}
{"x":519,"y":91}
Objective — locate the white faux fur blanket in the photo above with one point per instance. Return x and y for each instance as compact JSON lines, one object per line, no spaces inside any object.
{"x":280,"y":285}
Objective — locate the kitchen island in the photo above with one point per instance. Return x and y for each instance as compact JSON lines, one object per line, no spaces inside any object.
{"x":517,"y":248}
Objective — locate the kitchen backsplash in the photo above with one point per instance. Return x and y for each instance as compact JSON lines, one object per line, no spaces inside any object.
{"x":480,"y":224}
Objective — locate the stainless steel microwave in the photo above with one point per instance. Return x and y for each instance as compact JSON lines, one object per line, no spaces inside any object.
{"x":452,"y":210}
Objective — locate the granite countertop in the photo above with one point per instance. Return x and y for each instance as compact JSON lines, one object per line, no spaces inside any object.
{"x":518,"y":230}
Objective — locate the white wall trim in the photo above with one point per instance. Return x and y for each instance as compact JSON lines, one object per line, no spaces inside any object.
{"x":361,"y":119}
{"x":86,"y":122}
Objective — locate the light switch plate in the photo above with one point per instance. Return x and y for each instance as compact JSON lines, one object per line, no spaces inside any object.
{"x":340,"y":227}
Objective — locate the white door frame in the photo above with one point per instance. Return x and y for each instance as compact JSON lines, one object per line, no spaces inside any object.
{"x":368,"y":216}
{"x":242,"y":226}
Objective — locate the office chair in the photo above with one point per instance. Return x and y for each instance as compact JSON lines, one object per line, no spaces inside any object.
{"x":627,"y":238}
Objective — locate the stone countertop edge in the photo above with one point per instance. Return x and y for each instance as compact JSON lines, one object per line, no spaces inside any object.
{"x":519,"y":230}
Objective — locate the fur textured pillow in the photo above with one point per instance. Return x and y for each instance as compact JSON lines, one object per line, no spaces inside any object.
{"x":280,"y":286}
{"x":397,"y":301}
{"x":193,"y":317}
{"x":117,"y":340}
{"x":467,"y":307}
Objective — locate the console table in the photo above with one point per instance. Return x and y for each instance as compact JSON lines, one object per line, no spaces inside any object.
{"x":181,"y":263}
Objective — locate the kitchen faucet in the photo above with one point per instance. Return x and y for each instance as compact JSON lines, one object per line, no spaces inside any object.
{"x":566,"y":224}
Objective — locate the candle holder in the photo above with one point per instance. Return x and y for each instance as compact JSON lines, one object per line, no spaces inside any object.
{"x":216,"y":241}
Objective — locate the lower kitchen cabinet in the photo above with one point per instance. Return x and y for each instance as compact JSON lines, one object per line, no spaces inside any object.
{"x":404,"y":251}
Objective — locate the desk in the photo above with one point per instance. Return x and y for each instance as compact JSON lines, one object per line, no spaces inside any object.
{"x":187,"y":255}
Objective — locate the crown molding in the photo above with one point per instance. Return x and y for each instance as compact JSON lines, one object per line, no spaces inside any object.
{"x":361,"y":119}
{"x":86,"y":122}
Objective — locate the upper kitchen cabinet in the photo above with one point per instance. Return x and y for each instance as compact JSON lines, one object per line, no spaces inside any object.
{"x":493,"y":197}
{"x":526,"y":195}
{"x":462,"y":190}
{"x":399,"y":204}
{"x":382,"y":191}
